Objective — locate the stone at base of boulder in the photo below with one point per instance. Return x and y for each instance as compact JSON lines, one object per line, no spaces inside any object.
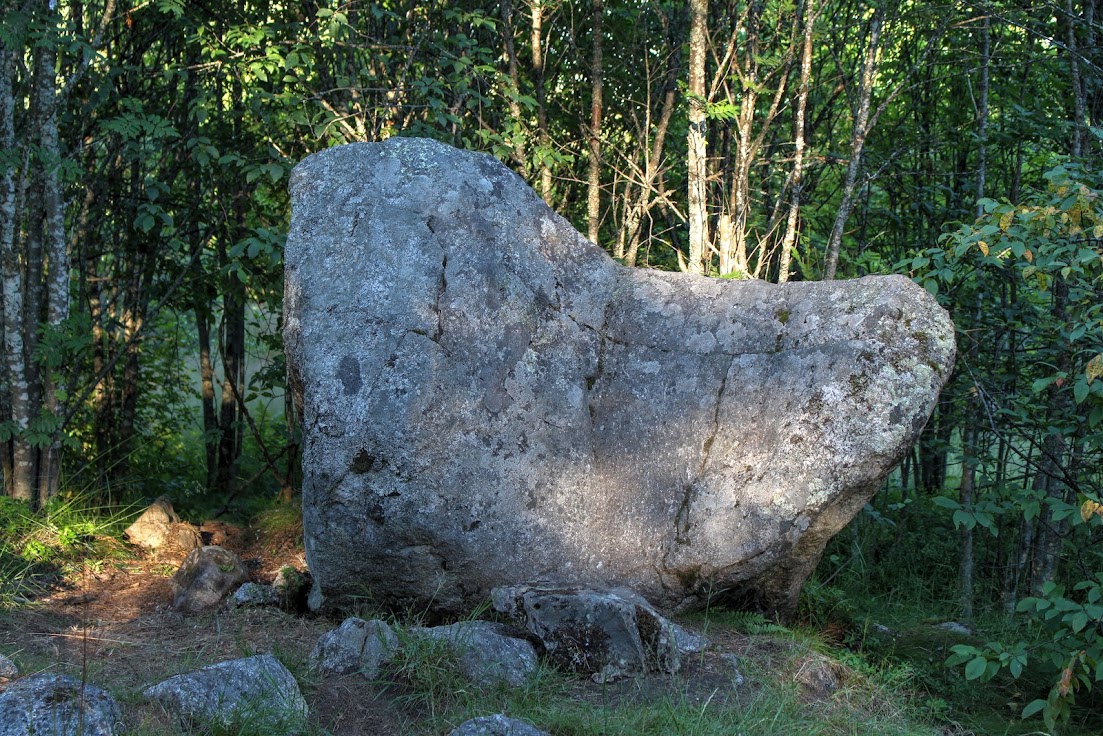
{"x":205,"y":577}
{"x":355,"y":646}
{"x":57,"y":705}
{"x":604,"y":633}
{"x":487,"y":652}
{"x":257,"y":689}
{"x":496,"y":725}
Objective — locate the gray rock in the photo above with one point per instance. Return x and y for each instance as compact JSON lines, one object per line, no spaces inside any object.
{"x":489,"y":399}
{"x":488,"y":654}
{"x":8,"y":670}
{"x":159,"y":528}
{"x":206,"y":576}
{"x":496,"y":725}
{"x":57,"y":705}
{"x":736,"y":671}
{"x":607,"y":633}
{"x":355,"y":646}
{"x":955,"y":628}
{"x":257,"y":689}
{"x":255,"y":594}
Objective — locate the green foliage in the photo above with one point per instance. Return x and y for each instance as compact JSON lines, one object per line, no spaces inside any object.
{"x":35,"y":547}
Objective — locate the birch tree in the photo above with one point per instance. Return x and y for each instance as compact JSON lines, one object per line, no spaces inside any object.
{"x":696,"y":156}
{"x":35,"y":257}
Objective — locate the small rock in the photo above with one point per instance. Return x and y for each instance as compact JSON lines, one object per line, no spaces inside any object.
{"x":206,"y":576}
{"x":355,"y":646}
{"x":255,"y":689}
{"x":57,"y":705}
{"x":488,"y":654}
{"x":737,"y":672}
{"x":882,"y":629}
{"x":606,"y":632}
{"x":496,"y":725}
{"x":8,"y":670}
{"x":255,"y":594}
{"x":955,"y":628}
{"x":159,"y":528}
{"x":817,"y":677}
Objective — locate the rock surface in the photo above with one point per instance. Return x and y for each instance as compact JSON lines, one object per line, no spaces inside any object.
{"x":355,"y":646}
{"x":496,"y":725}
{"x":258,"y":690}
{"x":8,"y":670}
{"x":606,"y":633}
{"x":487,"y":653}
{"x":255,"y":594}
{"x":159,"y":528}
{"x":206,"y":576}
{"x":489,"y":399}
{"x":57,"y":705}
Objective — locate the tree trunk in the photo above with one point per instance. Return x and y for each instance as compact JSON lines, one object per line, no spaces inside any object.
{"x":858,"y":134}
{"x":593,"y":199}
{"x":541,"y":97}
{"x":232,"y":350}
{"x":789,"y":241}
{"x":206,"y":391}
{"x":19,"y":477}
{"x":695,"y":141}
{"x":517,"y":138}
{"x":982,"y":114}
{"x":1079,"y":128}
{"x":966,"y":498}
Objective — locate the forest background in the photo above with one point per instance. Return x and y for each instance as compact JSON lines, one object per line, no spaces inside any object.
{"x":145,"y":148}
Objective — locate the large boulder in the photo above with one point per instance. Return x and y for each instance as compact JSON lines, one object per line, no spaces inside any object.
{"x":489,"y":399}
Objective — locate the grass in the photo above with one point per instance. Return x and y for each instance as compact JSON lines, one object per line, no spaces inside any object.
{"x":39,"y":550}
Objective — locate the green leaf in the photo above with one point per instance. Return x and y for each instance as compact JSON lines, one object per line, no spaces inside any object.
{"x":1034,"y":707}
{"x":1080,"y":390}
{"x":1078,"y":621}
{"x":965,"y":519}
{"x":946,"y":503}
{"x":975,"y":669}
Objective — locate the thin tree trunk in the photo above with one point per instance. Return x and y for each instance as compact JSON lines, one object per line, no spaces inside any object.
{"x":517,"y":139}
{"x":968,"y":485}
{"x":1079,"y":129}
{"x":789,"y":241}
{"x":206,"y":391}
{"x":233,"y":358}
{"x":857,"y":142}
{"x":57,"y":277}
{"x":19,"y":477}
{"x":541,"y":97}
{"x":1048,"y":475}
{"x":695,"y":142}
{"x":982,"y":114}
{"x":593,"y":199}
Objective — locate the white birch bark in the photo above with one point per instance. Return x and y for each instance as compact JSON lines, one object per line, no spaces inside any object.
{"x":696,"y":157}
{"x":857,"y":142}
{"x":21,"y":483}
{"x":789,"y":241}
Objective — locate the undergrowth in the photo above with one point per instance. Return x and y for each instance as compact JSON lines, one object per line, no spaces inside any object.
{"x":38,"y":550}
